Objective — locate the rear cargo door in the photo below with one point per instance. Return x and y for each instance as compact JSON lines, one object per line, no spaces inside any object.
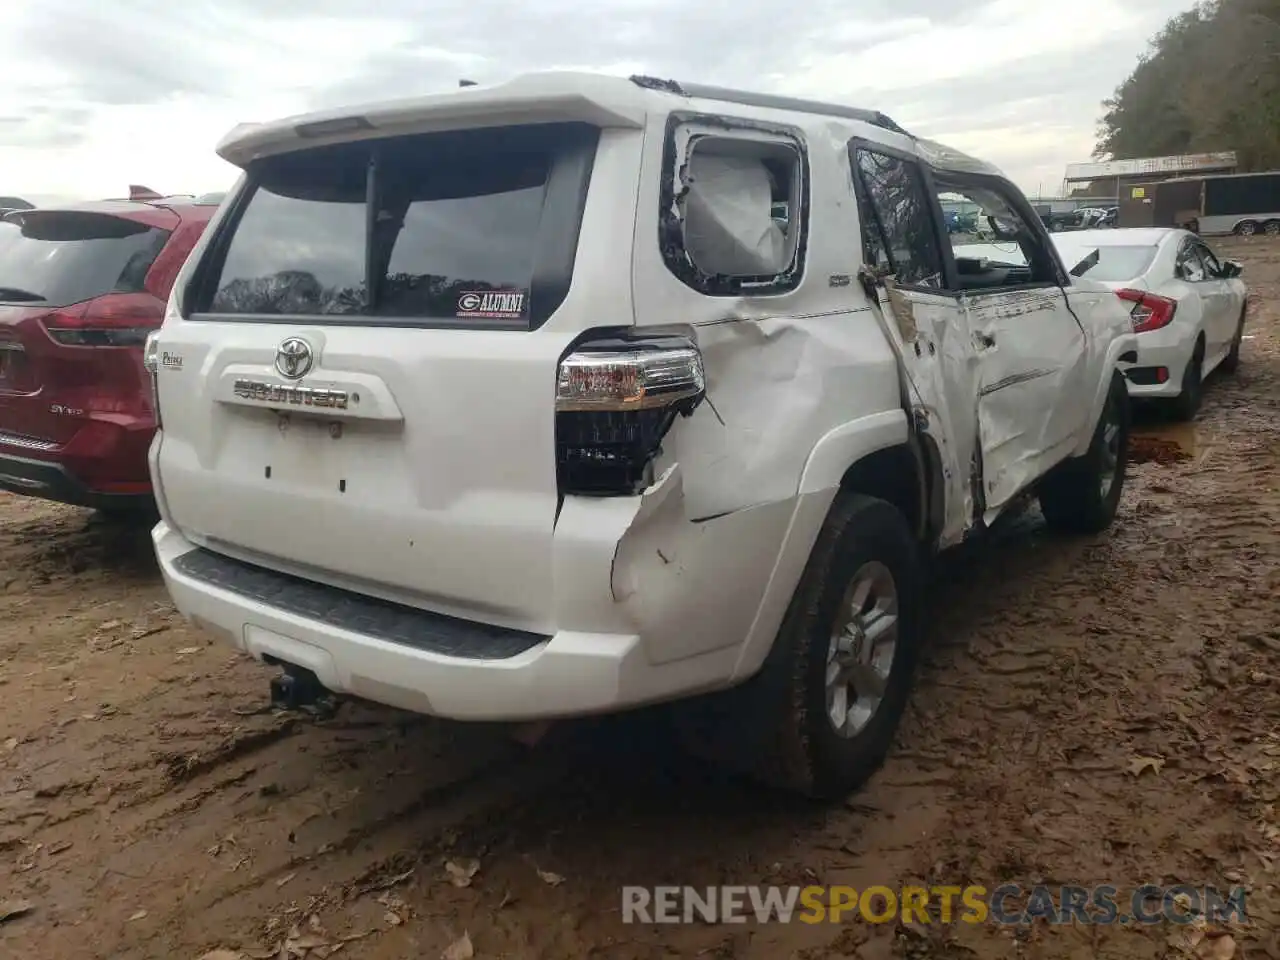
{"x":357,"y":381}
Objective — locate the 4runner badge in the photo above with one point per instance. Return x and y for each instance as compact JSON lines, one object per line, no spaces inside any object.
{"x":288,"y":395}
{"x":294,"y":358}
{"x":492,"y":305}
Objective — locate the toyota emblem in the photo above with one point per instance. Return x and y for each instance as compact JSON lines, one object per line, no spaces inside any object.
{"x":294,"y":358}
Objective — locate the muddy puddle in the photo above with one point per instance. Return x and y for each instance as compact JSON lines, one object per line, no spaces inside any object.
{"x":1164,"y":443}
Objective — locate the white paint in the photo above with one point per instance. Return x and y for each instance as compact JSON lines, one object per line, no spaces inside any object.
{"x":450,"y":501}
{"x":1208,"y":306}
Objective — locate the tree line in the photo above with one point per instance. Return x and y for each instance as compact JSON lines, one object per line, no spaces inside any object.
{"x":1210,"y":81}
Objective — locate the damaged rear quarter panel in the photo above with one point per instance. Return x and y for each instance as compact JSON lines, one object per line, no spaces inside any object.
{"x":710,"y":554}
{"x":783,"y":369}
{"x":776,"y":386}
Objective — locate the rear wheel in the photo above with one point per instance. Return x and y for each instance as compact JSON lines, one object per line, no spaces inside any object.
{"x":1187,"y":403}
{"x":821,"y":714}
{"x":1083,"y":495}
{"x":1271,"y":228}
{"x":1246,"y":228}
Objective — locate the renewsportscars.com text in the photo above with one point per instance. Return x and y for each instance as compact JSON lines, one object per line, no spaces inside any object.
{"x":1005,"y":904}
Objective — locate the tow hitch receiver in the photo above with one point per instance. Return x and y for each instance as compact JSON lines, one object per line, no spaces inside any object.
{"x":297,"y":688}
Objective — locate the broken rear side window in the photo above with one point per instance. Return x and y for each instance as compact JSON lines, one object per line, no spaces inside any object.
{"x":735,"y":220}
{"x":458,"y":223}
{"x":897,"y":226}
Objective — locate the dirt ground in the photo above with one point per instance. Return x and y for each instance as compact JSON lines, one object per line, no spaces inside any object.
{"x":1099,"y":710}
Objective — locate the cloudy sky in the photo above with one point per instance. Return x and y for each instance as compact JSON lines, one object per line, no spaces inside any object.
{"x":98,"y":94}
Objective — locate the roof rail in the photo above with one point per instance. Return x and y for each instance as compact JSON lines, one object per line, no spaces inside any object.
{"x":768,"y":101}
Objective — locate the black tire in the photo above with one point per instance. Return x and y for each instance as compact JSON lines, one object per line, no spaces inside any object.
{"x":1246,"y":228}
{"x":1186,"y":404}
{"x":1231,"y":362}
{"x":775,"y":726}
{"x":1073,"y":498}
{"x":1271,"y":228}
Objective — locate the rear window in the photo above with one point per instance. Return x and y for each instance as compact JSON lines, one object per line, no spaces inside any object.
{"x":1114,"y":263}
{"x":459,"y":223}
{"x":57,"y":258}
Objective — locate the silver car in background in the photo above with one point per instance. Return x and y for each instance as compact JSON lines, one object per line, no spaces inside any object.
{"x":1188,"y":306}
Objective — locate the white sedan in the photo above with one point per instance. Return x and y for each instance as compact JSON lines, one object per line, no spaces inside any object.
{"x":1188,"y":306}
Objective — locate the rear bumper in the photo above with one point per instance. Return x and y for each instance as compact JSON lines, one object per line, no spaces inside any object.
{"x":567,"y":674}
{"x":103,"y":465}
{"x":1156,"y":349}
{"x":51,"y":480}
{"x":714,"y":622}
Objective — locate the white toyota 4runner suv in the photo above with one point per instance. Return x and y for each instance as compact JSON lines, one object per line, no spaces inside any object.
{"x":577,"y":393}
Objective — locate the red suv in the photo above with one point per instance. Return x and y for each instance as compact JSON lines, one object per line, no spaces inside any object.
{"x":80,"y":289}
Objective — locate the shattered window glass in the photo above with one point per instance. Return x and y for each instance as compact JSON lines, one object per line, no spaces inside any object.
{"x":874,"y":252}
{"x":896,"y":192}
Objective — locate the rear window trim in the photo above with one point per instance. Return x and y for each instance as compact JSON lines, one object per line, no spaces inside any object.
{"x":559,"y":234}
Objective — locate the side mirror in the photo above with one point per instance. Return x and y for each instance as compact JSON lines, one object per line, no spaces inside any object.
{"x":1231,"y":268}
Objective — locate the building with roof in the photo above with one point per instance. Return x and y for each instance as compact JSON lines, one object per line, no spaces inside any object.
{"x":1111,"y":181}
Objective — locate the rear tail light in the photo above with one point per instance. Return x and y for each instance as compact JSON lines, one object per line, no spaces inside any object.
{"x":151,"y":363}
{"x":1150,"y":311}
{"x":615,"y":401}
{"x":114,"y":320}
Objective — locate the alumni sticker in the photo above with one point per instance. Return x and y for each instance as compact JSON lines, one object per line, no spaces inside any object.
{"x":492,"y":305}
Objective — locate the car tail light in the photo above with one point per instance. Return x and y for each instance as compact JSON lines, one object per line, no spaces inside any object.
{"x":114,"y":320}
{"x":1150,"y":311}
{"x":615,"y":401}
{"x":151,"y":363}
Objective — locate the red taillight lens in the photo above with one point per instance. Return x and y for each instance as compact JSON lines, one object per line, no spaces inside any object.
{"x":1150,"y":311}
{"x":114,"y":320}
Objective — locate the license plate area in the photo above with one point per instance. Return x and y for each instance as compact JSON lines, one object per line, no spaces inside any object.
{"x":308,"y":452}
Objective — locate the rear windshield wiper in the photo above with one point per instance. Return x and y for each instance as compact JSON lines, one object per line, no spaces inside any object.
{"x":19,"y":295}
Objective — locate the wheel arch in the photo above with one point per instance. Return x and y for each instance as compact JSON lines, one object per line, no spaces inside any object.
{"x":879,"y":456}
{"x":882,"y":456}
{"x":908,"y":476}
